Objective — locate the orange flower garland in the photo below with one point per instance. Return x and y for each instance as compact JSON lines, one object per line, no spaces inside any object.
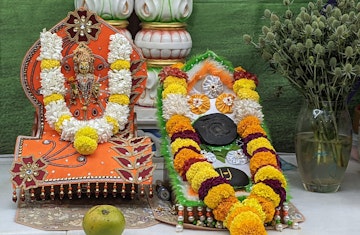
{"x":259,"y":207}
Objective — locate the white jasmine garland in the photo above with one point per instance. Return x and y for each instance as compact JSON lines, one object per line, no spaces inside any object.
{"x":52,"y":82}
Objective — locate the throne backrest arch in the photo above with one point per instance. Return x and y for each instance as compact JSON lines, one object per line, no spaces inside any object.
{"x":98,"y":42}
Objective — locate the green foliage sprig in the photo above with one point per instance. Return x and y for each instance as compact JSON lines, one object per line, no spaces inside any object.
{"x":316,"y":47}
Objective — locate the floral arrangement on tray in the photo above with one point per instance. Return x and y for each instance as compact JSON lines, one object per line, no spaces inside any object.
{"x":185,"y":162}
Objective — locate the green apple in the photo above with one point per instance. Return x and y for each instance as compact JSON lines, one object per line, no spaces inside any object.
{"x":103,"y":220}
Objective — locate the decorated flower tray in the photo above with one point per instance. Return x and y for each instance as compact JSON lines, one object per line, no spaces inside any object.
{"x":83,"y":78}
{"x":223,"y":170}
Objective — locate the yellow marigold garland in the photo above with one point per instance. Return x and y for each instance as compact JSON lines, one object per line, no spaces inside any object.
{"x":120,"y":64}
{"x":238,"y":209}
{"x":181,"y":157}
{"x":52,"y":98}
{"x":174,"y":88}
{"x":190,"y":174}
{"x":247,"y":223}
{"x":221,"y":211}
{"x":171,"y":80}
{"x":270,"y":172}
{"x":217,"y":194}
{"x":266,"y":205}
{"x":200,"y":176}
{"x":58,"y":124}
{"x":253,"y":203}
{"x":257,"y":143}
{"x":177,"y":120}
{"x":252,"y":130}
{"x":266,"y":191}
{"x":246,"y":122}
{"x":119,"y":99}
{"x":261,"y":159}
{"x":259,"y":207}
{"x":114,"y":123}
{"x":245,"y":93}
{"x":243,"y":83}
{"x":49,"y":64}
{"x":179,"y":143}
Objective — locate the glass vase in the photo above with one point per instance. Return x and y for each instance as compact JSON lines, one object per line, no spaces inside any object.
{"x":323,"y":144}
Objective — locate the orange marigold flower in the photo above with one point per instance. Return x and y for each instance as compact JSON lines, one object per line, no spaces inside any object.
{"x":267,"y":206}
{"x":260,"y":159}
{"x":223,"y":208}
{"x":174,"y":120}
{"x":182,"y":156}
{"x":247,"y":121}
{"x":252,"y":130}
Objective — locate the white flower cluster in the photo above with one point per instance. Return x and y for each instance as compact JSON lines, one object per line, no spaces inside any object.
{"x":175,"y":104}
{"x":51,"y":46}
{"x":120,"y":48}
{"x":120,"y":82}
{"x":247,"y":107}
{"x":52,"y":81}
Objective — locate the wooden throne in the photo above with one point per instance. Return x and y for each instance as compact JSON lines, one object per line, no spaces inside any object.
{"x":84,"y":141}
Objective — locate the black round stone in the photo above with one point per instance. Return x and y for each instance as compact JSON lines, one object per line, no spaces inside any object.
{"x":237,"y":178}
{"x":216,"y":129}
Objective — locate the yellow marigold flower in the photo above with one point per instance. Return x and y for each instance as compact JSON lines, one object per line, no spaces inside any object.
{"x":266,"y":191}
{"x":85,"y":145}
{"x":51,"y":98}
{"x":260,"y":159}
{"x":114,"y":123}
{"x":246,"y":93}
{"x":174,"y":80}
{"x":87,"y":131}
{"x":236,"y":211}
{"x":258,"y":143}
{"x":270,"y":172}
{"x":252,"y":202}
{"x":247,"y":223}
{"x":174,"y":89}
{"x":182,"y":156}
{"x":120,"y":64}
{"x":194,"y":168}
{"x":119,"y":99}
{"x":49,"y":64}
{"x":246,"y":122}
{"x":222,"y":210}
{"x":243,"y":83}
{"x":202,"y":175}
{"x":175,"y":120}
{"x":180,"y":142}
{"x":230,"y":215}
{"x":59,"y":122}
{"x":217,"y":194}
{"x":267,"y":206}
